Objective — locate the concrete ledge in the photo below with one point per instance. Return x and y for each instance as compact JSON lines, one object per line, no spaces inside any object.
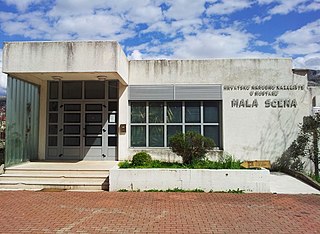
{"x":256,"y":181}
{"x":304,"y":178}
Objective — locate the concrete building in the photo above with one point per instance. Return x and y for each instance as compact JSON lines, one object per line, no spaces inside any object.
{"x":85,"y":100}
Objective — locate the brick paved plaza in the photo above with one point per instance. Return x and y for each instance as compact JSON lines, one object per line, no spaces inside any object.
{"x":142,"y":212}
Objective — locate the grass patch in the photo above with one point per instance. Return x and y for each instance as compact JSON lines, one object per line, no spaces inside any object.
{"x":227,"y":163}
{"x":175,"y":190}
{"x":237,"y":191}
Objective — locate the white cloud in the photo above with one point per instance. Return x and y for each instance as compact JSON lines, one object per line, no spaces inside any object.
{"x":286,"y":6}
{"x":305,"y":40}
{"x":185,"y":9}
{"x":90,"y":26}
{"x":228,"y":6}
{"x":135,"y":55}
{"x":259,"y":19}
{"x":32,"y":25}
{"x":22,"y":5}
{"x":143,"y":11}
{"x":313,"y":6}
{"x":5,"y":16}
{"x":219,"y":43}
{"x":310,"y":61}
{"x":171,"y":29}
{"x":261,"y":43}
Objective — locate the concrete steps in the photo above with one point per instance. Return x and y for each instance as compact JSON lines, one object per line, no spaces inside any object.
{"x":87,"y":176}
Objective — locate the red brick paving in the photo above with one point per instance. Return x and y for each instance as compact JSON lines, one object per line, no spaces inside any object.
{"x":141,"y":212}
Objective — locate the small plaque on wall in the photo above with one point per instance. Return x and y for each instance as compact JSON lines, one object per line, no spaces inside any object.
{"x":123,"y":128}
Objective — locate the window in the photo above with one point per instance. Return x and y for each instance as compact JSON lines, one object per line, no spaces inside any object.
{"x":192,"y":112}
{"x":138,"y":112}
{"x":94,"y":89}
{"x":174,"y":112}
{"x":72,"y":90}
{"x":154,"y":123}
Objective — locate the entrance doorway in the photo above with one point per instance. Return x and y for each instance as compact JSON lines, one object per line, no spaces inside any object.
{"x":82,"y":120}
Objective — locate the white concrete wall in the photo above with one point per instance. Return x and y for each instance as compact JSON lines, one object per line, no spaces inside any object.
{"x":190,"y":179}
{"x":67,"y":57}
{"x":249,"y":133}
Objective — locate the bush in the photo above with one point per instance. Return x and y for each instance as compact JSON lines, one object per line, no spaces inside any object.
{"x":191,"y":146}
{"x":141,"y":158}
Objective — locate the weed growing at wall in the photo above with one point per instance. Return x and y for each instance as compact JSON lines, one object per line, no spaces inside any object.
{"x":226,"y":162}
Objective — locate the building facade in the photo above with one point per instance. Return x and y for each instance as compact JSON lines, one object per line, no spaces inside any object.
{"x":85,"y":101}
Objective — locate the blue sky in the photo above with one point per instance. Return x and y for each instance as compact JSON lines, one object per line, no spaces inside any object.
{"x":173,"y":29}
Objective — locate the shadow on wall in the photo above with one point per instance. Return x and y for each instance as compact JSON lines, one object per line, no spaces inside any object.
{"x":280,"y":133}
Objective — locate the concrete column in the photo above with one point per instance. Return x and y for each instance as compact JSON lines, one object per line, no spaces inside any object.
{"x":123,"y":141}
{"x":42,"y":120}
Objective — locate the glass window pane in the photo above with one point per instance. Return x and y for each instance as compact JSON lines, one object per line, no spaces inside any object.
{"x":94,"y":89}
{"x":94,"y":118}
{"x":113,"y":106}
{"x":72,"y":90}
{"x":53,"y":129}
{"x":113,"y":89}
{"x":138,"y":112}
{"x":156,"y":112}
{"x":112,"y":141}
{"x":213,"y":133}
{"x":53,"y":118}
{"x":53,"y":106}
{"x":193,"y":128}
{"x":211,"y":112}
{"x":174,"y":112}
{"x":156,"y":136}
{"x":192,"y":112}
{"x":172,"y":130}
{"x":72,"y":118}
{"x":71,"y":129}
{"x":112,"y":129}
{"x":93,"y":141}
{"x":93,"y":107}
{"x":53,"y":90}
{"x":52,"y":141}
{"x":72,"y":107}
{"x":138,"y":136}
{"x":93,"y":129}
{"x":71,"y":141}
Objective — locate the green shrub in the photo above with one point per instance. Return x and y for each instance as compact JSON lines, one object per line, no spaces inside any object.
{"x":124,"y":164}
{"x":190,"y":146}
{"x":141,"y":159}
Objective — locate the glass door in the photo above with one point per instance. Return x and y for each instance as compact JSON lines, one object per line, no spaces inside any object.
{"x":71,"y":131}
{"x":94,"y":131}
{"x":82,"y":120}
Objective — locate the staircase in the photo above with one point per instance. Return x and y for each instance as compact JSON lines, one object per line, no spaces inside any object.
{"x":83,"y":175}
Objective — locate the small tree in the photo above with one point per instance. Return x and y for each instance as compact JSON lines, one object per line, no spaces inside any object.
{"x":310,"y":132}
{"x":305,"y":146}
{"x":190,"y":146}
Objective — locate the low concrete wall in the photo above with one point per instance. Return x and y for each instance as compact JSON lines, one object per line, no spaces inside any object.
{"x":188,"y":179}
